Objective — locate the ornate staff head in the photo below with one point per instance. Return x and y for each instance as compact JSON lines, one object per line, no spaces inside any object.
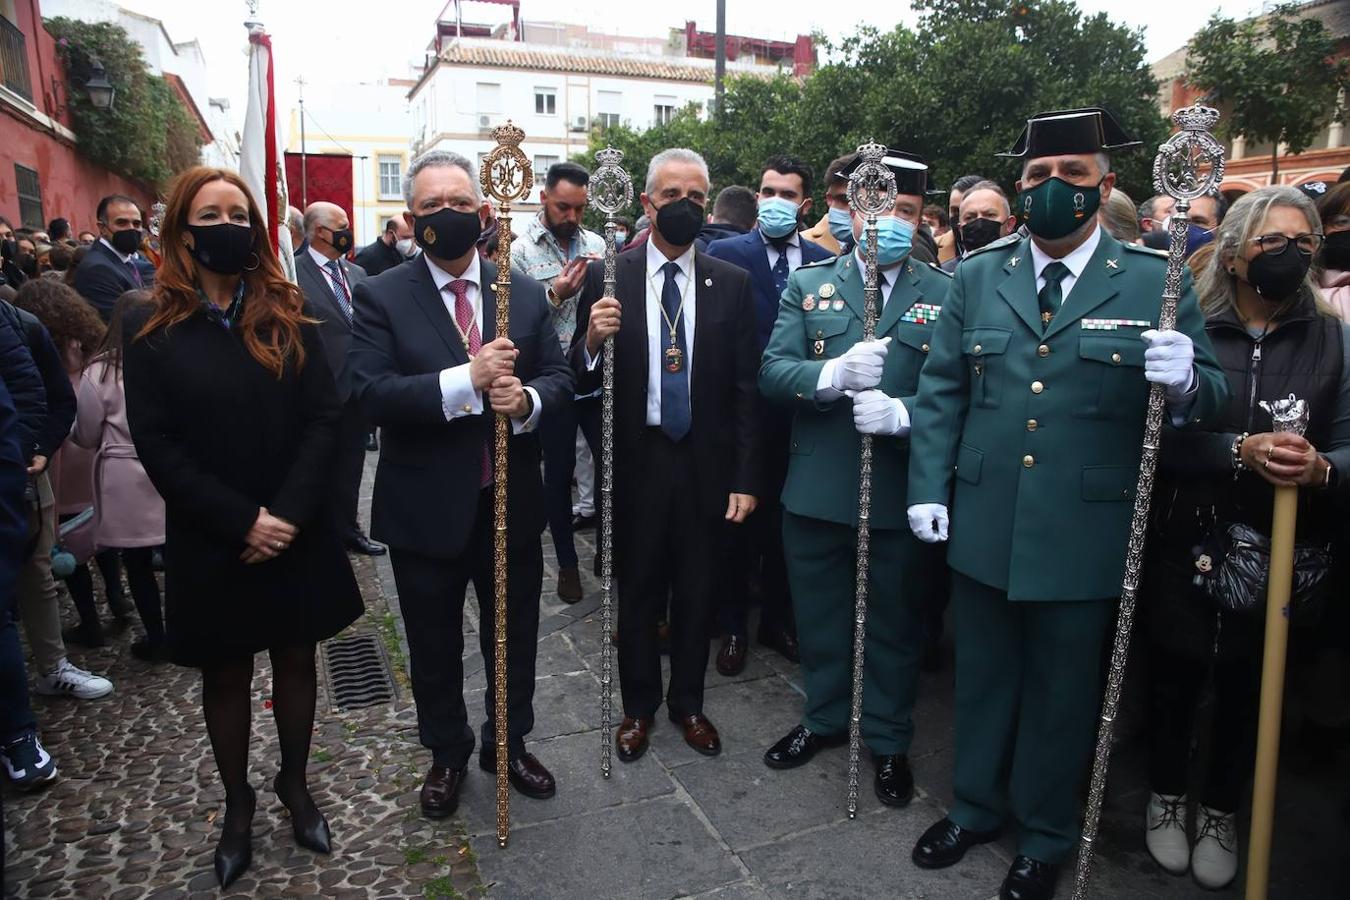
{"x":1190,"y":163}
{"x":1288,"y":415}
{"x":506,"y":175}
{"x":871,"y":187}
{"x":611,"y":186}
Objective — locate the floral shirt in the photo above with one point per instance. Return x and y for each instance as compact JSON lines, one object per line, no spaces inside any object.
{"x":538,"y":254}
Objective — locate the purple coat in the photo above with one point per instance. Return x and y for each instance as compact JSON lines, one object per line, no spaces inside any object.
{"x":128,"y":512}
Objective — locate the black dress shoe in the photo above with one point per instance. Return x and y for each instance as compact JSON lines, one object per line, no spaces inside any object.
{"x":234,"y":851}
{"x":308,"y":823}
{"x":440,"y":791}
{"x":798,"y":746}
{"x":569,"y":585}
{"x":731,"y":658}
{"x":781,"y":640}
{"x":894,"y":782}
{"x":584,"y":523}
{"x":152,"y":651}
{"x":357,"y":542}
{"x":1029,"y":879}
{"x":526,"y":774}
{"x":945,"y":843}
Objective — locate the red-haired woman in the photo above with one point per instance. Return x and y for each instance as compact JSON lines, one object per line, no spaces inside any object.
{"x":234,"y":415}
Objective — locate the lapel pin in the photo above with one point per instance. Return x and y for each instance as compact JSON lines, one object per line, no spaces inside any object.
{"x":707,"y":282}
{"x":1112,"y":264}
{"x":1014,"y":261}
{"x":826,"y":291}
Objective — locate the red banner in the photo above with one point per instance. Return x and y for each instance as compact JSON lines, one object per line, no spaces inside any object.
{"x":325,"y":176}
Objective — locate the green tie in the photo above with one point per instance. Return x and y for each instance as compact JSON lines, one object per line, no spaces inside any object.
{"x":1051,"y":297}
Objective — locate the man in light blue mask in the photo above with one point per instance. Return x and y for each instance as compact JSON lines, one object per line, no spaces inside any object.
{"x":834,"y":231}
{"x":770,"y":253}
{"x":840,"y":386}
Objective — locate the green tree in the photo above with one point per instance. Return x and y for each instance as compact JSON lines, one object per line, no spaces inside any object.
{"x":1274,"y":76}
{"x":147,"y":135}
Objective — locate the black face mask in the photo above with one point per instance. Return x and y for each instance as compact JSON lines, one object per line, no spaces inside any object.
{"x":1336,"y":251}
{"x":27,"y":264}
{"x":9,"y":248}
{"x":447,"y":233}
{"x":126,"y":242}
{"x":341,"y":239}
{"x":224,"y":248}
{"x":979,"y":233}
{"x":680,"y":221}
{"x":1278,"y":276}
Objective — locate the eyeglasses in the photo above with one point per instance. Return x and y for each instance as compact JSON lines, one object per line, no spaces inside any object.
{"x":1275,"y":244}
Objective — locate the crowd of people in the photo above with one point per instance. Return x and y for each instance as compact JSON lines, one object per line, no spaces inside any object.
{"x":172,"y":401}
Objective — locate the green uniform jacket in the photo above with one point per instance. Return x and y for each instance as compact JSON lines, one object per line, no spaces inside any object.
{"x":822,"y":480}
{"x":1042,"y":433}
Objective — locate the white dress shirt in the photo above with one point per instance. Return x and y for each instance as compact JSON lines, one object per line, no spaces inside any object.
{"x":886,"y":279}
{"x":129,"y":257}
{"x":1076,"y":262}
{"x":458,"y":396}
{"x":793,"y":248}
{"x":658,"y":335}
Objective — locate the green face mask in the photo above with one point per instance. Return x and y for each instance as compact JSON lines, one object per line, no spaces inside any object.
{"x":1054,"y":208}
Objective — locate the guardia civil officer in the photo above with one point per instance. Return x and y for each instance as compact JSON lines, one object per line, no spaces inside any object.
{"x":1029,"y":425}
{"x":839,"y":387}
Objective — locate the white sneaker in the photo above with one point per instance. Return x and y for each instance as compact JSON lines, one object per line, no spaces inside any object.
{"x":1165,"y":834}
{"x":1214,"y":861}
{"x":72,"y":681}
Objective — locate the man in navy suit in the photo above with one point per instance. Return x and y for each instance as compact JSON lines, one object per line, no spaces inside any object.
{"x":112,"y":267}
{"x":770,"y":253}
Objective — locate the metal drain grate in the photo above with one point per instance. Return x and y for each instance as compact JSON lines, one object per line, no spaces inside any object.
{"x":357,"y":672}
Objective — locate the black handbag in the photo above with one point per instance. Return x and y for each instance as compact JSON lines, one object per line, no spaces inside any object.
{"x":1234,"y":566}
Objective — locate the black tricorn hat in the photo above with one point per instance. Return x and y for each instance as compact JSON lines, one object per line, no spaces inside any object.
{"x":1069,"y":131}
{"x":910,"y":171}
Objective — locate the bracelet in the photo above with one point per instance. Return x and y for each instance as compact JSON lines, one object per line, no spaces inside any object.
{"x":1238,"y":464}
{"x":1326,"y":473}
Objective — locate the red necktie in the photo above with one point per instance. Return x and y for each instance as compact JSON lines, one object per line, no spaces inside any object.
{"x":468,"y":328}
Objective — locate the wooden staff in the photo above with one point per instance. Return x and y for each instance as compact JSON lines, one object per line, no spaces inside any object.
{"x":1288,"y":415}
{"x":506,"y":177}
{"x":1188,"y":165}
{"x":871,"y":192}
{"x":611,"y":191}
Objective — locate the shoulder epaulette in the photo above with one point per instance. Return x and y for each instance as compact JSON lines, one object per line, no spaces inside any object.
{"x":938,"y":269}
{"x":827,"y":261}
{"x":996,"y":245}
{"x":1147,"y":251}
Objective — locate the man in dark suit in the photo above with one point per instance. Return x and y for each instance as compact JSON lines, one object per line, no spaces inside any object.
{"x":328,"y":282}
{"x":111,"y":267}
{"x":429,"y":369}
{"x":685,"y":409}
{"x":770,"y":253}
{"x":391,"y":248}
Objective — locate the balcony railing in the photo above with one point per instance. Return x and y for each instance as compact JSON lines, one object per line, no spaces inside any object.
{"x":14,"y":60}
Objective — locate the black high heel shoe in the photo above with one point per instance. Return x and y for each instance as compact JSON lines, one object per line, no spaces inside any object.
{"x":312,"y":831}
{"x":234,"y":852}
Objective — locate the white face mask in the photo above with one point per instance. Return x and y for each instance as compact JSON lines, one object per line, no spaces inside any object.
{"x":406,"y":247}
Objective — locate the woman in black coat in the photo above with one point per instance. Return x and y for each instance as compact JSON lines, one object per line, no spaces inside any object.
{"x":234,"y":414}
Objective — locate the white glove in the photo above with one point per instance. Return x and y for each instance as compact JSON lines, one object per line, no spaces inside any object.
{"x":928,"y":521}
{"x":1169,"y":361}
{"x":875,"y":413}
{"x":859,"y":369}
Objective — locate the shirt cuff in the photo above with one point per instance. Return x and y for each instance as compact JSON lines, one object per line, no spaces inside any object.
{"x":825,"y":392}
{"x":527,"y":424}
{"x":458,"y":398}
{"x":1179,"y":408}
{"x":591,"y":360}
{"x":903,"y":429}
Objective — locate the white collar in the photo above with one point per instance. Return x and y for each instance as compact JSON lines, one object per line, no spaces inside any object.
{"x":1076,"y":261}
{"x":319,"y":259}
{"x":656,"y":259}
{"x":126,"y":259}
{"x":888,"y":275}
{"x":472,"y":274}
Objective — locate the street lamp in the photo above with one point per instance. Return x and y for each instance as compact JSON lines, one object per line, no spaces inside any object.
{"x":101,"y":92}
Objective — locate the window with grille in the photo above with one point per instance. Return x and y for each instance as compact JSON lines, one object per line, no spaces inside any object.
{"x":29,"y":190}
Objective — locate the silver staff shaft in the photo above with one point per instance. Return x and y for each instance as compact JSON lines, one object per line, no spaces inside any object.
{"x":607,"y":518}
{"x":1189,"y":165}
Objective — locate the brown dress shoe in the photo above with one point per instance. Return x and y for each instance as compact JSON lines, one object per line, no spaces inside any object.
{"x":699,"y":733}
{"x":440,"y":792}
{"x":731,"y":658}
{"x":630,"y":741}
{"x":569,"y":585}
{"x":526,"y":774}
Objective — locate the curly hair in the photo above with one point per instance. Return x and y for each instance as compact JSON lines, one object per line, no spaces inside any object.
{"x":66,"y":315}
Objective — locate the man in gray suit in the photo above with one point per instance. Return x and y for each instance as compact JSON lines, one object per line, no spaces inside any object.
{"x":327,"y":280}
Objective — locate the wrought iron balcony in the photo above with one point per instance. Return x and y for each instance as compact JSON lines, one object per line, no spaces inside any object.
{"x":14,"y":60}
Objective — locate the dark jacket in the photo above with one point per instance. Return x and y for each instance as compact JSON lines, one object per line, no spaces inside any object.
{"x":60,"y":394}
{"x":24,"y":381}
{"x":748,"y":252}
{"x":102,"y":277}
{"x":378,"y":257}
{"x":428,"y":480}
{"x":221,"y":437}
{"x":716,"y":231}
{"x":322,"y":304}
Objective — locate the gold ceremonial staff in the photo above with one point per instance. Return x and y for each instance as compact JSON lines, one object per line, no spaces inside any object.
{"x":611,"y":193}
{"x":1189,"y":165}
{"x":871,"y":192}
{"x":506,"y":177}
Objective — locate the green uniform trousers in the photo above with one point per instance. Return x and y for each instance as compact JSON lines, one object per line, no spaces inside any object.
{"x":821,"y":562}
{"x":1028,"y":695}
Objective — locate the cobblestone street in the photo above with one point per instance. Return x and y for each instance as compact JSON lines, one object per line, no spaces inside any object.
{"x":134,"y":813}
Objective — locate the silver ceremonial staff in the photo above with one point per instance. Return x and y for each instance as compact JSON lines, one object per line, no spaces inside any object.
{"x":1188,"y":165}
{"x":871,"y":192}
{"x":611,"y":194}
